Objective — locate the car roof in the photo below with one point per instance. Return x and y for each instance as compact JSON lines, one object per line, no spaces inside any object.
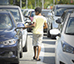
{"x":5,"y":12}
{"x":30,"y":9}
{"x":10,"y":6}
{"x":64,"y":5}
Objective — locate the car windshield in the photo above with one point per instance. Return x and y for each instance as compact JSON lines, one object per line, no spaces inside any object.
{"x":15,"y":13}
{"x":5,"y":21}
{"x":32,"y":14}
{"x":26,"y":13}
{"x":60,"y":11}
{"x":70,"y":26}
{"x":45,"y":13}
{"x":4,"y":2}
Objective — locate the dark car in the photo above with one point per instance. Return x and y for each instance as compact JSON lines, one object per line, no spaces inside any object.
{"x":10,"y":50}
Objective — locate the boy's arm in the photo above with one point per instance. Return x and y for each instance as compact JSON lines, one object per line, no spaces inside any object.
{"x":45,"y":25}
{"x":33,"y":25}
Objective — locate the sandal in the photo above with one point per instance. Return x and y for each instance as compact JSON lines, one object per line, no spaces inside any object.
{"x":38,"y":59}
{"x":34,"y":57}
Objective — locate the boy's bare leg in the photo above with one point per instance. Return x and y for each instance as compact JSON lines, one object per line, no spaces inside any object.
{"x":39,"y":49}
{"x":35,"y":51}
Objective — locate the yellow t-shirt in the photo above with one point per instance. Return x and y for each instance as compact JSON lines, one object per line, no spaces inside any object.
{"x":40,"y":20}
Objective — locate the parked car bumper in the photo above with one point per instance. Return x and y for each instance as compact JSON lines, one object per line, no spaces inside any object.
{"x":9,"y":53}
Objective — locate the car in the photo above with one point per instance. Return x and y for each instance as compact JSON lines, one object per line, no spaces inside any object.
{"x":27,"y":13}
{"x":64,"y":50}
{"x":23,"y":10}
{"x":32,"y":14}
{"x":18,"y":16}
{"x":28,"y":18}
{"x":10,"y":48}
{"x":56,"y":13}
{"x":45,"y":14}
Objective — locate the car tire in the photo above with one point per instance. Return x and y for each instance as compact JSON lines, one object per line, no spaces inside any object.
{"x":18,"y":57}
{"x":48,"y":33}
{"x":25,"y":47}
{"x":28,"y":29}
{"x":52,"y":37}
{"x":51,"y":26}
{"x":21,"y":51}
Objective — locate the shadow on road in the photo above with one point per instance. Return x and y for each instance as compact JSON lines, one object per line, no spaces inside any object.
{"x":49,"y":42}
{"x":50,"y":59}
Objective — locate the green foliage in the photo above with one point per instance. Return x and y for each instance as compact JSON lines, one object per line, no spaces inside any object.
{"x":31,"y":3}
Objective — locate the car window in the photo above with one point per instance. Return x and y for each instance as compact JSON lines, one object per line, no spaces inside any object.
{"x":29,"y":13}
{"x":5,"y":21}
{"x":32,"y":14}
{"x":45,"y":13}
{"x":63,"y":22}
{"x":25,"y":13}
{"x":59,"y":12}
{"x":70,"y":26}
{"x":53,"y":8}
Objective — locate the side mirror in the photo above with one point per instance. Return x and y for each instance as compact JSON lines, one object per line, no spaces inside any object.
{"x":59,"y":21}
{"x":55,"y":32}
{"x":59,"y":34}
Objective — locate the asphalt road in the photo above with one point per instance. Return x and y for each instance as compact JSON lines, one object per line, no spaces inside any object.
{"x":47,"y":54}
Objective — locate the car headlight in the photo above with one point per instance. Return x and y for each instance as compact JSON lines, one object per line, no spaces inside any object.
{"x":67,"y":48}
{"x":9,"y":42}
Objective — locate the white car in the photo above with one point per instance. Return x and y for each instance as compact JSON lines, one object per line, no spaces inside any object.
{"x":27,"y":19}
{"x":65,"y":42}
{"x":18,"y":16}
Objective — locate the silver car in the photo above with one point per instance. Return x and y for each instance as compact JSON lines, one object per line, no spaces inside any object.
{"x":65,"y":42}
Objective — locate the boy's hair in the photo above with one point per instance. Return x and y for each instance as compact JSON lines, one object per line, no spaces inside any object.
{"x":38,"y":9}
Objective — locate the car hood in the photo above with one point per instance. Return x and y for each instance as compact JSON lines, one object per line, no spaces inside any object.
{"x":68,"y":39}
{"x":7,"y":34}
